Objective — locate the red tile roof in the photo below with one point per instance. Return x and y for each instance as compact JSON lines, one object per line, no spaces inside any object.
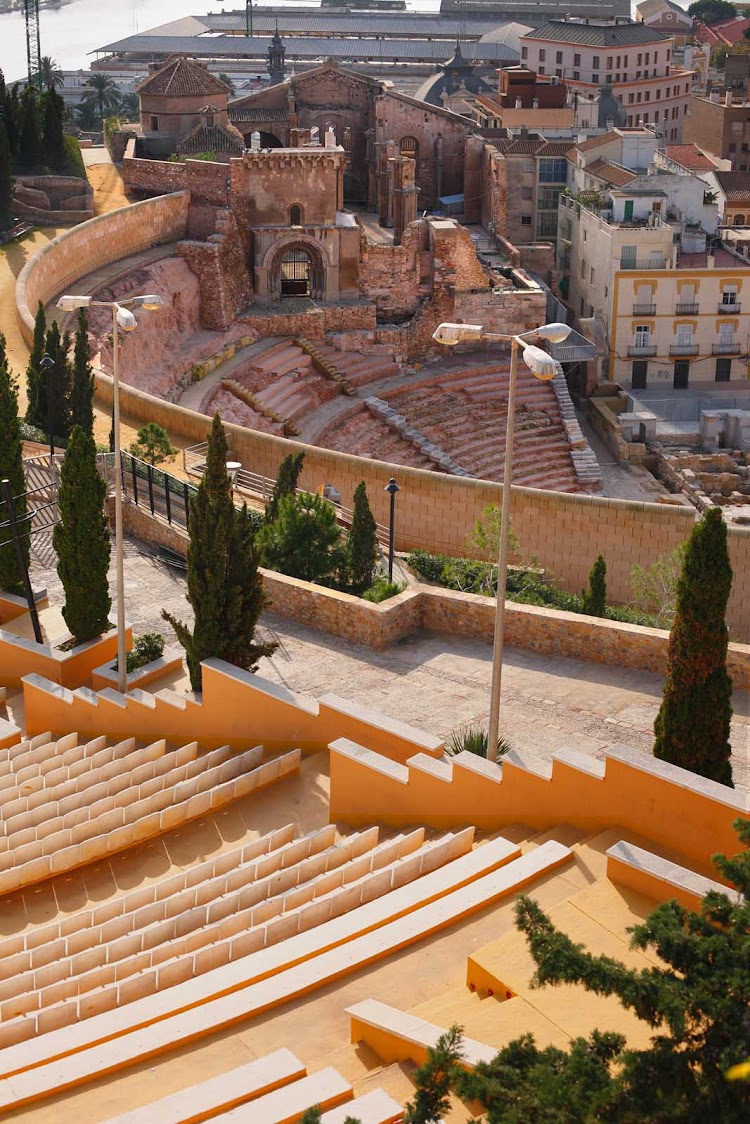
{"x":611,"y":173}
{"x":689,"y":156}
{"x":736,"y":186}
{"x":182,"y":77}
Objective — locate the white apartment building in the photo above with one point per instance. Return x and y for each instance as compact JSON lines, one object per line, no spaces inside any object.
{"x":635,"y":60}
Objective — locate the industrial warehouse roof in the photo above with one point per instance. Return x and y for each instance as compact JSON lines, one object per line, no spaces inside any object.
{"x":596,"y":34}
{"x":322,"y":22}
{"x":239,"y":46}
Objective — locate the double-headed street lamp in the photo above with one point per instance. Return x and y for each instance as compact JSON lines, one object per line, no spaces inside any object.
{"x":392,"y":489}
{"x":123,"y":318}
{"x":543,"y":367}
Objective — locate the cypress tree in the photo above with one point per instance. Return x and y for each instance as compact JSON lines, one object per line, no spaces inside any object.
{"x":81,"y":540}
{"x":53,"y":143}
{"x":29,"y":141}
{"x":692,"y":726}
{"x":11,"y":468}
{"x":34,"y":374}
{"x":82,"y":388}
{"x":56,"y":382}
{"x":6,"y":180}
{"x":594,"y":599}
{"x":11,"y":117}
{"x":224,"y":586}
{"x":286,"y":483}
{"x":362,"y":544}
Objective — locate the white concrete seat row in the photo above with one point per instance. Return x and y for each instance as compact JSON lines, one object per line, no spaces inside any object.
{"x":120,"y":825}
{"x":130,"y":965}
{"x":66,"y":753}
{"x":376,"y":1107}
{"x":145,"y":781}
{"x":204,"y":1101}
{"x":60,"y":783}
{"x":271,"y":977}
{"x":327,"y":1089}
{"x":370,"y":1018}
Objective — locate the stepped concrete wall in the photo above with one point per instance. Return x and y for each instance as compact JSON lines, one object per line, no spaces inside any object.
{"x":96,"y":243}
{"x":651,"y":798}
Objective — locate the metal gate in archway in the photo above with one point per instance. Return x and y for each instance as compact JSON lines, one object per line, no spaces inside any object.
{"x":296,"y":273}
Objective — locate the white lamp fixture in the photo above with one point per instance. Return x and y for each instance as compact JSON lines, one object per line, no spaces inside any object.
{"x":544,"y":368}
{"x":122,"y":318}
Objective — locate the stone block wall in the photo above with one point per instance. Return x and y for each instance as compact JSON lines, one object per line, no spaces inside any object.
{"x":396,"y":278}
{"x":93,"y":244}
{"x":219,"y":265}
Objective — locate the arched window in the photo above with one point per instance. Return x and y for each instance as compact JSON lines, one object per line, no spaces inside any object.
{"x":739,"y":220}
{"x":296,"y":272}
{"x":295,"y":215}
{"x":409,"y":147}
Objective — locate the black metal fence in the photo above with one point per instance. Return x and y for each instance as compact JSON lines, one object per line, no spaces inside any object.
{"x":158,"y":491}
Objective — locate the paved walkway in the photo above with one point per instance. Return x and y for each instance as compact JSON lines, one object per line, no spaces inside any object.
{"x":439,"y":682}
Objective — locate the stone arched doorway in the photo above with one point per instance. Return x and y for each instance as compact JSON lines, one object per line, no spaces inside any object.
{"x":297,"y":271}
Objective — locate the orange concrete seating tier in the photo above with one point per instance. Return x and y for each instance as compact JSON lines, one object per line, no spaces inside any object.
{"x":396,"y":1036}
{"x":64,"y":804}
{"x":648,"y":797}
{"x":275,"y":887}
{"x":271,"y":976}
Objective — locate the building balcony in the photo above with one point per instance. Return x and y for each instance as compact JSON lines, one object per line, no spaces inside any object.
{"x":641,"y":350}
{"x":732,"y":348}
{"x":683,"y":349}
{"x":686,"y":308}
{"x":729,"y":309}
{"x":644,"y":310}
{"x":645,"y":263}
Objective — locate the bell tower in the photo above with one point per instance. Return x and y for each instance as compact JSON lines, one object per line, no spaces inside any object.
{"x":276,"y":53}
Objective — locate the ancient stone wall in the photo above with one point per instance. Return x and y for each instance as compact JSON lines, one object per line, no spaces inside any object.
{"x":219,"y":265}
{"x":314,"y":323}
{"x":93,"y":244}
{"x":441,"y":139}
{"x":494,"y":191}
{"x":396,"y":277}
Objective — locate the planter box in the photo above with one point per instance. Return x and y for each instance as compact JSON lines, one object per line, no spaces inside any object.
{"x":106,"y":675}
{"x":19,"y":657}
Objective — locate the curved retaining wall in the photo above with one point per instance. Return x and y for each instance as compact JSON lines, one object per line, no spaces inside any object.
{"x":436,"y":511}
{"x":96,"y":243}
{"x":433,"y":510}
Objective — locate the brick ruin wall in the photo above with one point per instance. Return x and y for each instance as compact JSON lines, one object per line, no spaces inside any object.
{"x":219,"y":265}
{"x":396,"y":278}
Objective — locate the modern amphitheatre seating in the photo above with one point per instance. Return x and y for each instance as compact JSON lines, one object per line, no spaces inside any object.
{"x":308,"y":962}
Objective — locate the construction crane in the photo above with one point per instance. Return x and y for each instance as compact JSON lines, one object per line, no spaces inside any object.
{"x":33,"y":46}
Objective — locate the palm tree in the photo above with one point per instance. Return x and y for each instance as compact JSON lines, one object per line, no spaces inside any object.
{"x":130,"y":106}
{"x":84,"y":115}
{"x":102,"y":92}
{"x":50,"y":73}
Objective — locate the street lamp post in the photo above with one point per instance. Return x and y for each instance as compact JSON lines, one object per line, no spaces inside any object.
{"x":47,"y":365}
{"x":391,"y":488}
{"x":123,"y":318}
{"x":543,"y":367}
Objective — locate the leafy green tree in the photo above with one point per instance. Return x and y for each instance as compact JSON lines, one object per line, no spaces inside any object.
{"x":11,"y":469}
{"x":287,"y":479}
{"x":224,"y":586}
{"x":697,"y":1002}
{"x":6,"y":180}
{"x":435,"y":1079}
{"x":153,"y":444}
{"x":315,"y":1115}
{"x":53,"y":142}
{"x":524,"y":1083}
{"x":130,"y":107}
{"x":655,"y":586}
{"x":81,"y":540}
{"x":304,"y":541}
{"x":362,"y":544}
{"x":55,"y":384}
{"x":227,"y":82}
{"x":30,"y":139}
{"x":33,"y":371}
{"x":712,"y":11}
{"x":692,"y":726}
{"x":594,"y":599}
{"x":82,"y":385}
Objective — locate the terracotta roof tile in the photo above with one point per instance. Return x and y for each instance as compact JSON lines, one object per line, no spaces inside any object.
{"x":594,"y":142}
{"x":182,"y":77}
{"x":689,"y":156}
{"x":611,"y":173}
{"x":735,"y":185}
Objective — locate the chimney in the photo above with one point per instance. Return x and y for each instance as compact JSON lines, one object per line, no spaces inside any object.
{"x":519,"y":103}
{"x":728,"y":97}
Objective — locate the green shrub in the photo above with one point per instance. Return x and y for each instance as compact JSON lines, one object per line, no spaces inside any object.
{"x":74,"y":165}
{"x":594,"y":599}
{"x":382,"y":589}
{"x":145,"y":649}
{"x":33,"y":433}
{"x":473,"y":739}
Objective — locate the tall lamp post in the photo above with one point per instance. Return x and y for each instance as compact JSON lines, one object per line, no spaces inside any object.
{"x":47,"y":366}
{"x":543,"y":367}
{"x":122,"y":317}
{"x":391,"y":488}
